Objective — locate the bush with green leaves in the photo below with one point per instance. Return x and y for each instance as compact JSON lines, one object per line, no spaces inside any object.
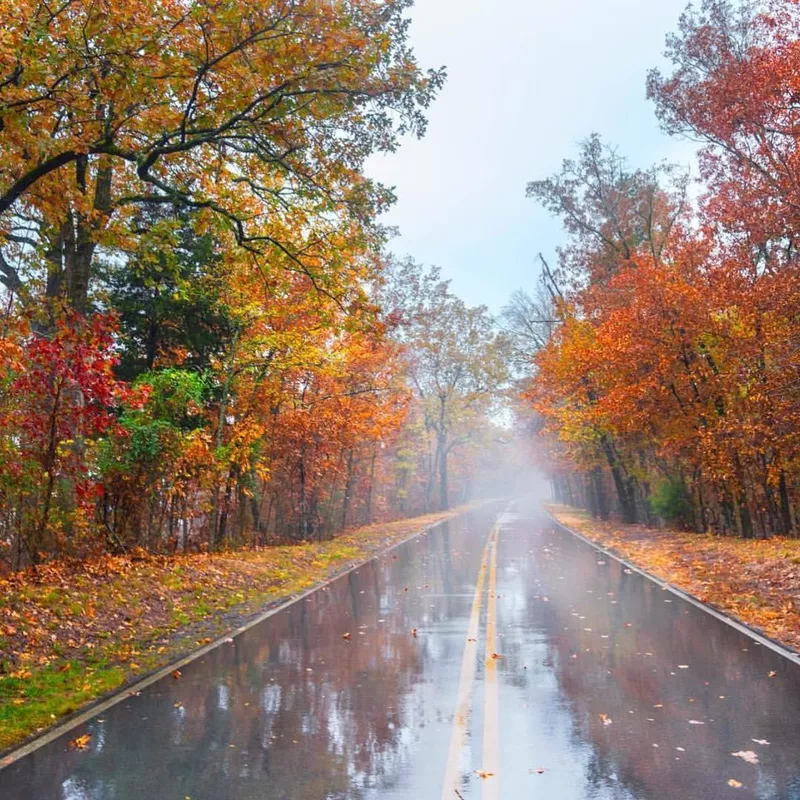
{"x":672,"y":502}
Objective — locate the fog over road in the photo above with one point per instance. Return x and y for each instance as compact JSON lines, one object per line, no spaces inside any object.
{"x":584,"y":680}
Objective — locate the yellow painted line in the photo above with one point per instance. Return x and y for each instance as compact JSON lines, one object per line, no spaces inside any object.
{"x":468,"y":667}
{"x":490,"y":786}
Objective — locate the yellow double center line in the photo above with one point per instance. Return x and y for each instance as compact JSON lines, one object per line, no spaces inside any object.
{"x":467,"y":679}
{"x":491,"y":695}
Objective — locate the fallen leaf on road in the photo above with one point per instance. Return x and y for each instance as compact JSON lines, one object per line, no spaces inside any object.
{"x":177,"y":674}
{"x":733,"y":783}
{"x":81,"y":742}
{"x":483,"y":774}
{"x":772,"y":674}
{"x":605,"y":719}
{"x":347,"y":636}
{"x":747,"y":755}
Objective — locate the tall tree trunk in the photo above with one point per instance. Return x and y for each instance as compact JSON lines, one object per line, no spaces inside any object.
{"x":213,"y":527}
{"x":786,"y":506}
{"x":348,"y":490}
{"x":370,"y":488}
{"x":599,"y":489}
{"x":303,"y":521}
{"x":444,"y":489}
{"x":622,"y":481}
{"x":50,"y":469}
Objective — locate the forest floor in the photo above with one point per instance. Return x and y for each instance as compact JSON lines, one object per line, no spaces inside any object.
{"x":754,"y":581}
{"x":73,"y":631}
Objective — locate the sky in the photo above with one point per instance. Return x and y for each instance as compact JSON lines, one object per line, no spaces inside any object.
{"x":527,"y":81}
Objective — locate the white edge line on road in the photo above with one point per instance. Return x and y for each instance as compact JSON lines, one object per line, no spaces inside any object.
{"x":739,"y":626}
{"x":82,"y":717}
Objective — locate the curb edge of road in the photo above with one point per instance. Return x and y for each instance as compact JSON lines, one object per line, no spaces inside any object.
{"x":761,"y":638}
{"x":104,"y":702}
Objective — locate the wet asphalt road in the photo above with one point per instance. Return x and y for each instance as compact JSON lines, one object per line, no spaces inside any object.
{"x":604,"y":686}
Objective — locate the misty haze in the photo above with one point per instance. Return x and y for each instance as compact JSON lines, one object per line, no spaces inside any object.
{"x":399,"y":400}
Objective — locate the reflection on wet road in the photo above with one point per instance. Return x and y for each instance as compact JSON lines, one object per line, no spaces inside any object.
{"x":585,"y":681}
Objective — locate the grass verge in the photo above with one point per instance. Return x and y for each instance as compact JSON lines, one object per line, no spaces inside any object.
{"x":74,"y":631}
{"x":754,"y":581}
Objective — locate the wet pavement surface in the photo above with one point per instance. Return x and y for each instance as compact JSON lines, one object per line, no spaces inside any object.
{"x":604,"y":685}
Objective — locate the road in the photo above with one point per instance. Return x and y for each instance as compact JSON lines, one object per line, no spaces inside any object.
{"x":488,"y":658}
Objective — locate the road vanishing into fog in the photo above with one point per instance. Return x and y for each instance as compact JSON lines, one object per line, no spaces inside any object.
{"x":491,"y":657}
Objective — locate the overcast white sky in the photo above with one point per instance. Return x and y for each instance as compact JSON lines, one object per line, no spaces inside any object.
{"x":528,"y":79}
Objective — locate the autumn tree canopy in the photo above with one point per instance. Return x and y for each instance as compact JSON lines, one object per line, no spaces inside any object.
{"x":671,"y":376}
{"x":194,"y":352}
{"x":259,"y":115}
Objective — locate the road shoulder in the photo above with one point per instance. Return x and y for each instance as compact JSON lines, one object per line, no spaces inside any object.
{"x":753,"y":582}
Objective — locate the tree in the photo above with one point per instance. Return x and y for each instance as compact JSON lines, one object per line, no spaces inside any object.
{"x":259,"y":115}
{"x":55,"y":407}
{"x":609,"y":210}
{"x":198,"y":169}
{"x":734,"y":84}
{"x":457,"y":361}
{"x":529,"y":323}
{"x":170,"y":297}
{"x":614,"y":215}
